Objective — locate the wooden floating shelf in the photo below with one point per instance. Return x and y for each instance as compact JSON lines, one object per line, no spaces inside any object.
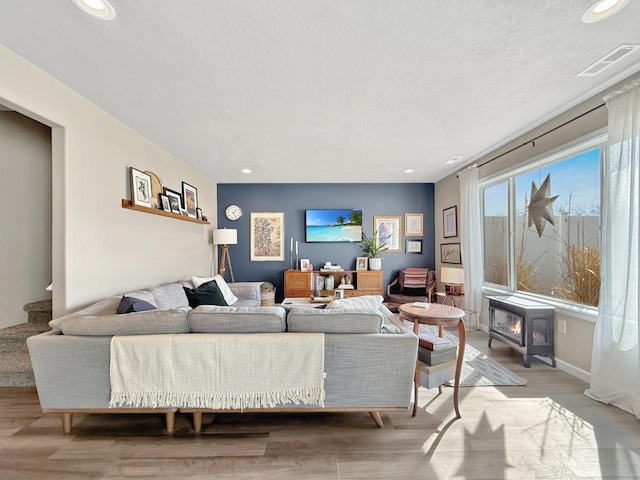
{"x":128,"y":205}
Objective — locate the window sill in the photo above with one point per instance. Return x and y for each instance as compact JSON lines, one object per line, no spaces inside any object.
{"x":590,"y":314}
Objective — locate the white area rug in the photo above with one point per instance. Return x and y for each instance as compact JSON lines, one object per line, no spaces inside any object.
{"x":478,"y":370}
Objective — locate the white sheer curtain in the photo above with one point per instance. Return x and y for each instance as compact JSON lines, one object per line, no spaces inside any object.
{"x":471,"y":243}
{"x":615,"y":365}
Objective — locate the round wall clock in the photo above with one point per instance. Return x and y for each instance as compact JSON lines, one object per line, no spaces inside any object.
{"x":233,"y":212}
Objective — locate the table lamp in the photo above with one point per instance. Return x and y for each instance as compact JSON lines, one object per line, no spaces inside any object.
{"x":225,"y":237}
{"x":453,"y":279}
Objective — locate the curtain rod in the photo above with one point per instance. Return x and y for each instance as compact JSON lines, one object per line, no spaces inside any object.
{"x":533,"y":140}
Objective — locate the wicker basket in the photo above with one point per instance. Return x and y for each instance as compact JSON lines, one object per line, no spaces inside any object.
{"x":267,"y":294}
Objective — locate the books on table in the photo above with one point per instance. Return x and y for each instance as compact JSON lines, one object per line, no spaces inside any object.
{"x":433,"y":342}
{"x":421,"y":304}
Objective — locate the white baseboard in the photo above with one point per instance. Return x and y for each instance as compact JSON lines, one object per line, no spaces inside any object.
{"x":561,"y":364}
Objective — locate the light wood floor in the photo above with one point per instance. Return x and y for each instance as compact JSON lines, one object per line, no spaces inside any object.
{"x":547,"y":429}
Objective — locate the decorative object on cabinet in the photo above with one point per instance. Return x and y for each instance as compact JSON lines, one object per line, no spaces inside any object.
{"x":450,"y":253}
{"x":450,"y":222}
{"x":413,"y":225}
{"x":354,"y":283}
{"x":414,"y":246}
{"x":389,"y":231}
{"x":156,"y":189}
{"x":372,"y":247}
{"x":225,"y":237}
{"x":175,"y":200}
{"x":361,"y":263}
{"x":166,"y":206}
{"x":140,"y":188}
{"x":190,"y":199}
{"x":233,"y":212}
{"x":267,"y":237}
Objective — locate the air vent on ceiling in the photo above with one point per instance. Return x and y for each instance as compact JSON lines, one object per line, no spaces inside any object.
{"x":609,"y":59}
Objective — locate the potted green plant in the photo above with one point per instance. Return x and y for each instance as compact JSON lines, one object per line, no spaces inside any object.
{"x":372,"y":247}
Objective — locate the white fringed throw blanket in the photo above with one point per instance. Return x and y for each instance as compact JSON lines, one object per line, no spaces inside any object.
{"x":217,"y":371}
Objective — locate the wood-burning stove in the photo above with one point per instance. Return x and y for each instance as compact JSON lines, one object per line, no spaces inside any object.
{"x":524,"y":325}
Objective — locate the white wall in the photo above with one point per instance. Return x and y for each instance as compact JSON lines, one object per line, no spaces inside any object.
{"x":25,"y":218}
{"x":573,"y":349}
{"x":99,"y":248}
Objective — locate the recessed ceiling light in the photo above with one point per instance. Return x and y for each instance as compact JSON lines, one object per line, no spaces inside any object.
{"x":409,"y":170}
{"x":603,"y":9}
{"x":246,"y":170}
{"x":455,"y":159}
{"x":100,"y":9}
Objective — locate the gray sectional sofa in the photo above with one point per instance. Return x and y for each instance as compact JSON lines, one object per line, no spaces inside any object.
{"x":369,"y":356}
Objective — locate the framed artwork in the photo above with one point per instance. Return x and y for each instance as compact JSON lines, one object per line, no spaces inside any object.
{"x":304,"y":264}
{"x":450,"y":253}
{"x":175,"y":200}
{"x":267,"y":236}
{"x":450,"y":219}
{"x":164,"y":200}
{"x":184,"y":212}
{"x":413,"y":225}
{"x":389,"y":230}
{"x":414,"y":246}
{"x":362,"y":263}
{"x":199,"y":213}
{"x":190,"y":199}
{"x":140,"y":187}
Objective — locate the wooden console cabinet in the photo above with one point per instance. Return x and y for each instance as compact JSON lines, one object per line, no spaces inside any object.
{"x":365,"y":282}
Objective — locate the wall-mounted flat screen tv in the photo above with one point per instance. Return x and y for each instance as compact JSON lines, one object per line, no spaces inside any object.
{"x":336,"y":225}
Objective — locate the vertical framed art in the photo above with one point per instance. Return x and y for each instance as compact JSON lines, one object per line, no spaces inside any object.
{"x":413,"y":225}
{"x":450,"y":222}
{"x":190,"y":199}
{"x":389,"y":231}
{"x":267,"y":230}
{"x":140,"y":187}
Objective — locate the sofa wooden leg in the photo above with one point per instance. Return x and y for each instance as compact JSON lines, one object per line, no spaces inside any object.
{"x":170,"y":418}
{"x":197,"y":421}
{"x":377,"y":418}
{"x":67,"y":420}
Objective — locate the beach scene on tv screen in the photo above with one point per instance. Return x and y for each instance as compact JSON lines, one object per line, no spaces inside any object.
{"x":333,"y":225}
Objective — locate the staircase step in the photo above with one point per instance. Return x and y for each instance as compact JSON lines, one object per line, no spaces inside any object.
{"x":14,"y":339}
{"x":39,"y":312}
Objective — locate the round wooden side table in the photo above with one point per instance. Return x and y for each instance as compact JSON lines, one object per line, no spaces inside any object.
{"x":441,"y":316}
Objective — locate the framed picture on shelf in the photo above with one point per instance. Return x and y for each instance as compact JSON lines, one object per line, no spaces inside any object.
{"x":199,"y":213}
{"x":164,"y":201}
{"x":450,"y":253}
{"x":175,"y":200}
{"x":389,"y":231}
{"x":190,"y":199}
{"x":413,"y":225}
{"x":414,"y":246}
{"x":267,"y":236}
{"x":450,"y":221}
{"x":304,"y":264}
{"x":362,"y":263}
{"x":140,"y":187}
{"x":183,"y":211}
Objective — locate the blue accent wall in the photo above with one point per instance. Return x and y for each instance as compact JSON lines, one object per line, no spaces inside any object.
{"x":293,"y":199}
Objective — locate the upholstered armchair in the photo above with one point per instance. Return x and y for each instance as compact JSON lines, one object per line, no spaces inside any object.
{"x":412,"y":285}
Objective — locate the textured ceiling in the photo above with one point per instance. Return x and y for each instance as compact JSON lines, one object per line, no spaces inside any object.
{"x":325,"y":91}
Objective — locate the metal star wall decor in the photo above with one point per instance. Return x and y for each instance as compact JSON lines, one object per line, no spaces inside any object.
{"x":540,"y":206}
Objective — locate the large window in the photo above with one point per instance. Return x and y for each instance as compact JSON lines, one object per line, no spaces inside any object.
{"x":541,"y":226}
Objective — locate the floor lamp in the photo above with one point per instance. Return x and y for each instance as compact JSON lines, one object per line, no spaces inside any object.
{"x":225,"y":237}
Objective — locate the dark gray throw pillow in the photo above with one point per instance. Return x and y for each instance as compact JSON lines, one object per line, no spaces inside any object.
{"x":131,"y":304}
{"x":206,"y":294}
